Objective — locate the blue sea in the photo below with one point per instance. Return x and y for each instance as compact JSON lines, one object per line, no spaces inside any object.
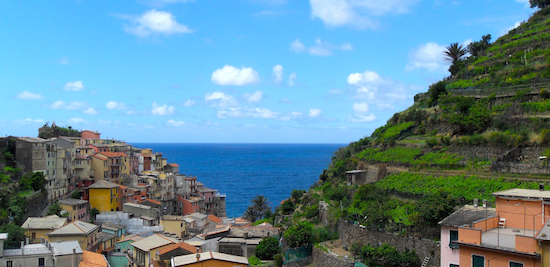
{"x":242,"y":171}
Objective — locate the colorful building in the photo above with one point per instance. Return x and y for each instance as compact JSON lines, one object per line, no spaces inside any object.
{"x":174,"y":224}
{"x":77,"y":209}
{"x":36,"y":228}
{"x":514,"y":235}
{"x":103,"y":196}
{"x":85,"y":233}
{"x":145,"y":250}
{"x":210,"y":259}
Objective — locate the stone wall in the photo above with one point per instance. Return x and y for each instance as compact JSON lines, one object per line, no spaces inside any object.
{"x":351,"y":233}
{"x":321,"y":259}
{"x":304,"y":262}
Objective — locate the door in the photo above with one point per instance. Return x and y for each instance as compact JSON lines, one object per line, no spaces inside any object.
{"x":478,"y":261}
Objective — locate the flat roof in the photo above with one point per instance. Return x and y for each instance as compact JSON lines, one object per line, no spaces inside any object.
{"x":523,"y":193}
{"x":468,"y":215}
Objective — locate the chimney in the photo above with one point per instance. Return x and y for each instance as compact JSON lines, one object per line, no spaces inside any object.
{"x":27,"y":241}
{"x":198,"y":254}
{"x":245,"y":235}
{"x":74,"y":258}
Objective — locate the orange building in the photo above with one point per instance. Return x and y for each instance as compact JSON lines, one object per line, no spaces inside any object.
{"x":210,"y":259}
{"x":516,"y":234}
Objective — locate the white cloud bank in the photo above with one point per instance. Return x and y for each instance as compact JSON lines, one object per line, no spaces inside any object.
{"x":292,"y":78}
{"x":112,"y":105}
{"x":163,"y":110}
{"x":229,"y":75}
{"x":74,"y":86}
{"x":74,"y":105}
{"x":254,"y":97}
{"x":314,"y":113}
{"x":356,"y":13}
{"x":26,"y":95}
{"x":278,"y":73}
{"x":428,"y":56}
{"x":155,"y":22}
{"x":320,"y":48}
{"x":175,"y":123}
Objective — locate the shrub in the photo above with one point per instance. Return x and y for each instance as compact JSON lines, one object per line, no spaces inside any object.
{"x":254,"y":261}
{"x":544,"y":94}
{"x":545,"y":136}
{"x":287,"y":207}
{"x":299,"y":235}
{"x":278,"y":260}
{"x":267,"y":248}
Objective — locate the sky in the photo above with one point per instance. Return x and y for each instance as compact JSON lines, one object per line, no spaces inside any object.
{"x":240,"y":71}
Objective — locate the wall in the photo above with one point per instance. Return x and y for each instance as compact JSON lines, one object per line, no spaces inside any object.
{"x":448,"y":255}
{"x":321,"y":258}
{"x":351,"y":233}
{"x":493,"y":258}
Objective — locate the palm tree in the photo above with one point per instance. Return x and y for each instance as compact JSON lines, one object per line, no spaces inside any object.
{"x":250,"y":214}
{"x":260,"y":204}
{"x":454,"y":52}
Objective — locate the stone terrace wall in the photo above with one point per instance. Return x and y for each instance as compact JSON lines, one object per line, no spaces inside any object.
{"x":351,"y":233}
{"x":321,"y":259}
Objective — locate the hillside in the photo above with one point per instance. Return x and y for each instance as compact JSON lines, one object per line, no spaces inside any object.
{"x":485,"y":128}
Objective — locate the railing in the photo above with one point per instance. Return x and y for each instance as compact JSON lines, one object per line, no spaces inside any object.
{"x":499,"y":240}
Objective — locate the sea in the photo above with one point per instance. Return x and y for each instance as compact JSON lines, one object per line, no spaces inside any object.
{"x":242,"y":171}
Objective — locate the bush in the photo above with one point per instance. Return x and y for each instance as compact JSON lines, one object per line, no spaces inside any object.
{"x":545,"y":136}
{"x":278,"y":260}
{"x":287,"y":207}
{"x":254,"y":261}
{"x":299,"y":235}
{"x":267,"y":248}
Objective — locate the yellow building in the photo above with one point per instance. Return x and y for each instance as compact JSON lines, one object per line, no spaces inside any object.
{"x":209,"y":259}
{"x":36,"y":228}
{"x":99,"y":167}
{"x":115,"y":166}
{"x":85,"y":233}
{"x":76,"y":208}
{"x":103,"y":196}
{"x":174,"y":224}
{"x":145,"y":250}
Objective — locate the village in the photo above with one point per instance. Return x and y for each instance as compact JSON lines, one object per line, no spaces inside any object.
{"x":135,"y":209}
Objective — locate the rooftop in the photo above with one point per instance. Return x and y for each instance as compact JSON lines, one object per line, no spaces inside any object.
{"x":31,"y":249}
{"x":181,"y":245}
{"x":524,"y":193}
{"x":214,"y":219}
{"x":92,"y":259}
{"x":43,"y":223}
{"x":66,"y":247}
{"x":190,"y":259}
{"x":112,"y":226}
{"x":72,"y":201}
{"x":467,"y":215}
{"x":154,"y":241}
{"x":103,"y":184}
{"x":75,"y":228}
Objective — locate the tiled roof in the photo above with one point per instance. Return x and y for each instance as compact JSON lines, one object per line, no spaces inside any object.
{"x":72,"y":201}
{"x":154,"y":241}
{"x":75,"y":228}
{"x":113,"y":154}
{"x":468,"y":215}
{"x":92,"y":259}
{"x":205,"y":256}
{"x":214,"y":219}
{"x":123,"y":187}
{"x":181,"y":245}
{"x":98,"y":157}
{"x":103,"y":184}
{"x":150,"y":200}
{"x":43,"y":223}
{"x":174,"y":164}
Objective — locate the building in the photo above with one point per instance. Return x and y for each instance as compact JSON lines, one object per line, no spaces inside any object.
{"x":141,"y":211}
{"x":37,"y":227}
{"x":145,"y":250}
{"x":242,"y":241}
{"x":92,"y":259}
{"x":77,"y":209}
{"x":87,"y":134}
{"x":83,"y":232}
{"x":30,"y":154}
{"x":213,"y":259}
{"x":59,"y":254}
{"x":513,"y":236}
{"x":103,"y":196}
{"x":179,"y":249}
{"x":174,"y":224}
{"x":113,"y":228}
{"x":466,"y":216}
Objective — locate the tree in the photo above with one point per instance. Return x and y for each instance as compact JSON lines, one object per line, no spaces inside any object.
{"x":299,"y":235}
{"x":539,"y":3}
{"x":267,"y":248}
{"x":454,"y":53}
{"x":287,"y":207}
{"x":54,"y":209}
{"x":15,"y":233}
{"x":256,"y":211}
{"x":475,"y":48}
{"x":93,"y":212}
{"x":250,"y":214}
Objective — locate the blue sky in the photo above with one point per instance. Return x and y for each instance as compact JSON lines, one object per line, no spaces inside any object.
{"x":240,"y":71}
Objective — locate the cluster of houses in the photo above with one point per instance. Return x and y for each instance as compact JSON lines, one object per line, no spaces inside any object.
{"x":146,"y":213}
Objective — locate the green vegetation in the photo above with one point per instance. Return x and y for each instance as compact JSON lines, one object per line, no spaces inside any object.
{"x":300,"y":235}
{"x":267,"y":248}
{"x":254,"y":261}
{"x":386,"y":255}
{"x":47,"y":132}
{"x":16,"y":234}
{"x":259,"y":207}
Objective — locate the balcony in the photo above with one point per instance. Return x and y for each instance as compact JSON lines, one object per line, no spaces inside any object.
{"x":117,"y":163}
{"x":507,"y":239}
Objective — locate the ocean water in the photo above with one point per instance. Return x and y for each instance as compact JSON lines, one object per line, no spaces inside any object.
{"x":242,"y":171}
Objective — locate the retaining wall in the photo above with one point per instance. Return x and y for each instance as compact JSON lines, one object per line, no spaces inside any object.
{"x":321,"y":259}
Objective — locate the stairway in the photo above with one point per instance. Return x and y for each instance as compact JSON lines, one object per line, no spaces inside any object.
{"x":425,"y":262}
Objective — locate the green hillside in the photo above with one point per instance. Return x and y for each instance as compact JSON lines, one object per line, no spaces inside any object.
{"x":483,"y":129}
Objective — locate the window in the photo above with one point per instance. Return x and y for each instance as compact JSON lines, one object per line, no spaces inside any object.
{"x":478,"y":261}
{"x":453,"y":265}
{"x":453,"y":237}
{"x":9,"y":263}
{"x":41,"y":262}
{"x":516,"y":264}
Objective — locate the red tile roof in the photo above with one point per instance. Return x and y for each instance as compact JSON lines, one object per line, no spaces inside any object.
{"x":181,"y":245}
{"x":215,"y":219}
{"x":92,"y":259}
{"x":174,"y":164}
{"x":150,"y":200}
{"x":113,"y":154}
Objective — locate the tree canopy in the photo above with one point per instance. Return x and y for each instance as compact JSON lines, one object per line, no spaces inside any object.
{"x":259,"y":207}
{"x":300,"y":235}
{"x":267,"y":248}
{"x":539,"y":3}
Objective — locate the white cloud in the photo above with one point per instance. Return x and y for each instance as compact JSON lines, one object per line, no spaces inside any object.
{"x":175,"y":123}
{"x":320,"y":48}
{"x":154,"y":21}
{"x":262,"y":113}
{"x":361,"y":107}
{"x":366,"y":77}
{"x":314,"y":113}
{"x":111,"y":105}
{"x":360,"y":118}
{"x":296,"y":114}
{"x":356,"y":13}
{"x":26,"y":95}
{"x":428,"y":56}
{"x":278,"y":73}
{"x":74,"y":105}
{"x":76,"y":120}
{"x":162,"y":110}
{"x":292,"y":78}
{"x":220,"y":100}
{"x":90,"y":111}
{"x":189,"y":103}
{"x":229,"y":75}
{"x":254,"y":97}
{"x":74,"y":86}
{"x":29,"y":121}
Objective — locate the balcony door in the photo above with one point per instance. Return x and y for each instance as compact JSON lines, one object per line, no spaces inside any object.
{"x":478,"y":261}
